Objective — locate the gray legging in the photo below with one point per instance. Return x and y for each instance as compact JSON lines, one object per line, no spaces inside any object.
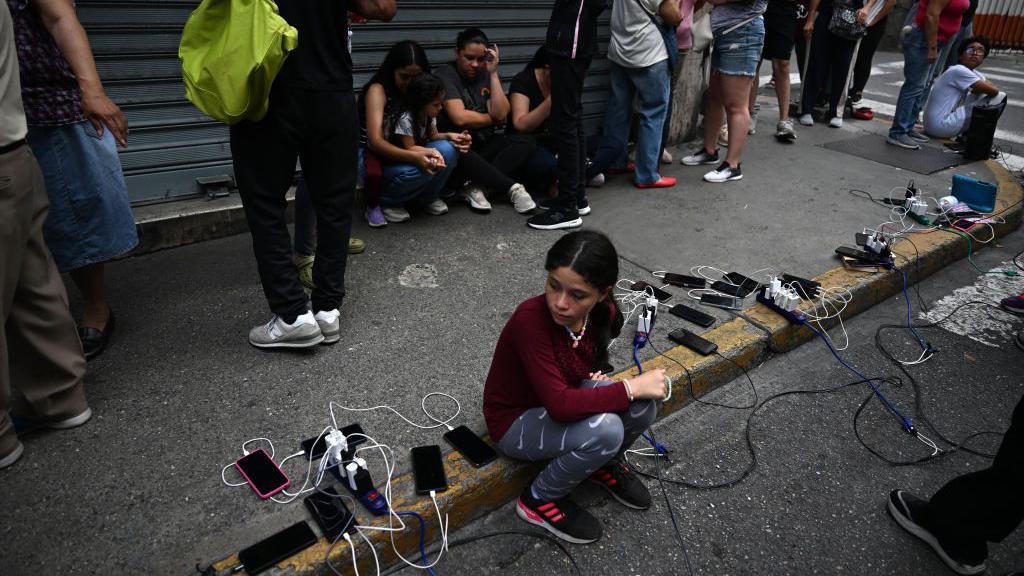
{"x":577,"y":448}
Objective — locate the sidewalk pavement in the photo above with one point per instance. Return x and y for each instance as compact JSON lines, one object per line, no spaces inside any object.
{"x":138,"y":489}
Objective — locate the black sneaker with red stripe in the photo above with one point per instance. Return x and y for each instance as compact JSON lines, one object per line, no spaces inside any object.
{"x":562,"y":517}
{"x":623,"y":485}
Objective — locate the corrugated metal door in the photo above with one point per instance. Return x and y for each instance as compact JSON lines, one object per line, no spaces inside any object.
{"x":172,"y":143}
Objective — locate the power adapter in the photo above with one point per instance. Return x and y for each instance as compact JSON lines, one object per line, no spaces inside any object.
{"x":336,"y":447}
{"x":645,"y":323}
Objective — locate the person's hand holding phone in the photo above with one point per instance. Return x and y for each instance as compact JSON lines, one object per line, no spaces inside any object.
{"x":651,"y":385}
{"x":493,"y":58}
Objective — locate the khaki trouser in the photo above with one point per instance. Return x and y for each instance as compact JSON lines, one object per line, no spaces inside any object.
{"x":40,"y":354}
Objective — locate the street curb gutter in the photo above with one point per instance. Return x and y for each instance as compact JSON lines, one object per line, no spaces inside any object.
{"x":745,"y":341}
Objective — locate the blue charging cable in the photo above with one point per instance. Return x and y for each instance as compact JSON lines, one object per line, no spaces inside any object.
{"x":423,"y":529}
{"x":906,"y":423}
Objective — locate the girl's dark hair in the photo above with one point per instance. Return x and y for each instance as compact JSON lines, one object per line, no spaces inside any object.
{"x":593,"y":256}
{"x":421,"y":90}
{"x":539,"y":60}
{"x":405,"y":53}
{"x":980,"y":39}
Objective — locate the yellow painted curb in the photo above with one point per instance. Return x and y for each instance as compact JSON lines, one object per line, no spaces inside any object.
{"x":474,"y":492}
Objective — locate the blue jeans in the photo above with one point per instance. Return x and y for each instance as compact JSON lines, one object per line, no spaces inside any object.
{"x":407,"y":183}
{"x":651,"y":85}
{"x":917,"y":75}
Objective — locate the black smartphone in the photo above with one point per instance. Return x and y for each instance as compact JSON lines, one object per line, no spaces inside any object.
{"x":692,"y":341}
{"x":855,"y":253}
{"x":660,"y":294}
{"x":317,"y":445}
{"x":428,"y":468}
{"x":262,"y":473}
{"x":270,"y":551}
{"x":740,"y":279}
{"x":737,"y":290}
{"x":728,"y":302}
{"x":471,"y":446}
{"x":861,"y":239}
{"x":330,"y":513}
{"x":684,"y":281}
{"x":808,"y":288}
{"x":692,"y":315}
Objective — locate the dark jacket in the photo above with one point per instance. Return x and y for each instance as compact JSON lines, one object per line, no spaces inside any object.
{"x":572,"y":31}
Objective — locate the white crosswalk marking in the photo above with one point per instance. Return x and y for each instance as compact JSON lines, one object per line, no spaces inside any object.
{"x":1009,"y":71}
{"x":980,"y":323}
{"x":886,"y":109}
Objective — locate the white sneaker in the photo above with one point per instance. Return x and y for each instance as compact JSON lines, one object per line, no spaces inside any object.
{"x":474,"y":196}
{"x":835,"y":122}
{"x":666,"y":157}
{"x":596,"y":181}
{"x":784,"y":130}
{"x":329,"y":322}
{"x":396,"y":214}
{"x":521,"y":199}
{"x":724,"y":173}
{"x":436,"y":208}
{"x":807,"y":120}
{"x":303,"y":333}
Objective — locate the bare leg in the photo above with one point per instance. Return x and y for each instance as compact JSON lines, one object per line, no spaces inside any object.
{"x":780,"y":71}
{"x":754,"y":85}
{"x":89,"y":280}
{"x":715,"y":114}
{"x":735,"y":91}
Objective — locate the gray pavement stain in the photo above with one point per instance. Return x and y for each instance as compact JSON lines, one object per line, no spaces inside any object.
{"x":179,"y":390}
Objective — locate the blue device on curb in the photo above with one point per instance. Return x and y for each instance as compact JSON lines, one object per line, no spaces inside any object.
{"x":977,"y":194}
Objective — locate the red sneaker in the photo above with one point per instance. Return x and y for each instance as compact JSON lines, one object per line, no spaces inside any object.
{"x":663,"y":182}
{"x":863,"y":114}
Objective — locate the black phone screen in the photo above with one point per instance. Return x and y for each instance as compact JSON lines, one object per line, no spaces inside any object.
{"x":354,"y":434}
{"x":330,"y":513}
{"x":684,"y":280}
{"x":471,"y":446}
{"x":261,"y":472}
{"x":660,"y":294}
{"x":720,"y":301}
{"x":739,"y":291}
{"x":270,"y":551}
{"x":428,"y":469}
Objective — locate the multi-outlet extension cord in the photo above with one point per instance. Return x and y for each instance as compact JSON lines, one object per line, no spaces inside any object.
{"x":782,"y":299}
{"x":645,"y":322}
{"x":915,"y":205}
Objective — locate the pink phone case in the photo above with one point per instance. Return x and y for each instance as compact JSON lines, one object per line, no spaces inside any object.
{"x":286,"y":484}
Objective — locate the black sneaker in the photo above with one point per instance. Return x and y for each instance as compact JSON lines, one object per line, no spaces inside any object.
{"x":907,"y":509}
{"x":563,"y":518}
{"x":555,"y":219}
{"x":620,"y":482}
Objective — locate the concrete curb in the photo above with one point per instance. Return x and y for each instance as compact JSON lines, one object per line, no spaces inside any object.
{"x":744,"y":341}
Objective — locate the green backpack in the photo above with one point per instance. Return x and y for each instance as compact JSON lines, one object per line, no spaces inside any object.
{"x":230,"y":52}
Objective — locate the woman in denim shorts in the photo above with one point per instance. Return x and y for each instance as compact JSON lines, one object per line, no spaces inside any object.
{"x":738,"y":30}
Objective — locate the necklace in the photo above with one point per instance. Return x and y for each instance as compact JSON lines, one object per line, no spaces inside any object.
{"x":576,"y":339}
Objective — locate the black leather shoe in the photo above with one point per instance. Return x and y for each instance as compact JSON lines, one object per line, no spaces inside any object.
{"x":95,"y":341}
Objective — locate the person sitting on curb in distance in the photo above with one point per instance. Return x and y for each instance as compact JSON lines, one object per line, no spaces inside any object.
{"x":546,"y":399}
{"x":476,"y":102}
{"x":530,"y":99}
{"x":738,"y":31}
{"x":638,"y":57}
{"x":954,"y":95}
{"x":433,"y":155}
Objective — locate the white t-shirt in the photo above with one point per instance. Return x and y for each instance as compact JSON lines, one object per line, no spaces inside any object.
{"x":404,"y":127}
{"x":950,"y":102}
{"x":636,"y":41}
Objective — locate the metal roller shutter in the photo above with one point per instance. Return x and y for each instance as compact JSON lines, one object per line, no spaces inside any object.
{"x":171,"y":143}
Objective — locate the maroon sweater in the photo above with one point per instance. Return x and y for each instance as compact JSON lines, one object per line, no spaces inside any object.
{"x":535,"y":365}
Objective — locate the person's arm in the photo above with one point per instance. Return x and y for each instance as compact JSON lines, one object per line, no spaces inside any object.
{"x":669,"y":12}
{"x":60,"y":20}
{"x":886,"y":8}
{"x":456,"y":110}
{"x":931,"y":26}
{"x":984,"y":87}
{"x":383,"y":10}
{"x":525,"y":120}
{"x":865,"y":12}
{"x":497,"y":104}
{"x":812,"y":13}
